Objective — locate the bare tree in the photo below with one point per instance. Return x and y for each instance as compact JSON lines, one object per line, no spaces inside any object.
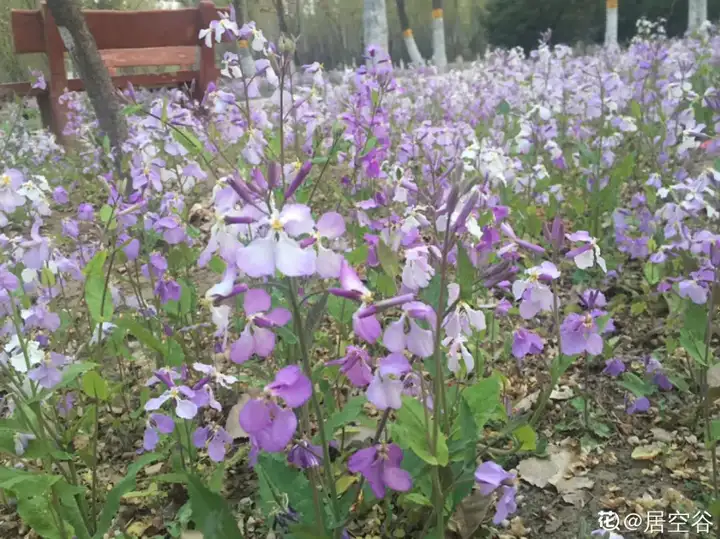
{"x":375,"y":24}
{"x":412,"y":48}
{"x":438,"y":35}
{"x":697,"y":14}
{"x":99,"y":86}
{"x":611,"y":22}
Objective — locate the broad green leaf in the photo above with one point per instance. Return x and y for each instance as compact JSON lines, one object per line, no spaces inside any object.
{"x":24,"y":483}
{"x":279,"y":482}
{"x":35,"y":512}
{"x":211,"y":512}
{"x":388,"y":259}
{"x":653,"y":273}
{"x":636,"y":385}
{"x":95,"y":386}
{"x":385,"y":285}
{"x":466,"y":274}
{"x":141,"y":333}
{"x":695,"y":320}
{"x":98,"y":299}
{"x":217,"y":265}
{"x":503,"y":107}
{"x":287,"y":335}
{"x":527,"y":437}
{"x":188,"y":140}
{"x":95,"y":266}
{"x":694,"y":347}
{"x":413,"y":432}
{"x":341,"y":309}
{"x":419,"y":499}
{"x":112,"y":501}
{"x":483,"y":399}
{"x":357,"y":255}
{"x":350,"y":412}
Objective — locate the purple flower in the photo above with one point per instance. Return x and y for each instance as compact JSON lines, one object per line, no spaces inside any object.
{"x":269,"y":426}
{"x":385,"y":390}
{"x":168,"y":290}
{"x":305,"y":455}
{"x":156,"y":424}
{"x":526,"y":342}
{"x":278,"y":250}
{"x":491,"y":476}
{"x":257,"y":336}
{"x":580,"y":333}
{"x":692,"y":289}
{"x":660,"y":379}
{"x":60,"y":196}
{"x":8,"y":281}
{"x":535,"y":296}
{"x":10,"y":182}
{"x":418,"y":341}
{"x":48,"y":374}
{"x":380,"y":465}
{"x":85,"y":212}
{"x":366,"y":327}
{"x":224,"y":380}
{"x":586,"y":255}
{"x":65,"y":404}
{"x":356,"y":365}
{"x":291,"y":385}
{"x":184,"y":408}
{"x":216,"y":439}
{"x":614,"y":367}
{"x":70,"y":228}
{"x":171,"y":229}
{"x":638,"y":405}
{"x":39,"y":81}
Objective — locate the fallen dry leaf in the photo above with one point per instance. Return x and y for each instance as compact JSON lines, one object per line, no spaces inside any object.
{"x":232,"y":425}
{"x":562,"y":393}
{"x":647,"y":452}
{"x":544,"y":472}
{"x":470,"y":514}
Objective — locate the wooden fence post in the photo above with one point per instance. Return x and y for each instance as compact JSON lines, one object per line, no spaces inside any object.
{"x":50,"y":106}
{"x":208,"y":72}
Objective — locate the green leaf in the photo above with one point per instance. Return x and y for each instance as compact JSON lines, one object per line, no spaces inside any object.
{"x":112,"y":501}
{"x":340,"y":309}
{"x":279,"y":484}
{"x":503,"y":107}
{"x":714,"y":430}
{"x":385,"y":285}
{"x":350,"y":412}
{"x":141,"y":333}
{"x":466,"y":274}
{"x":36,"y":513}
{"x":527,"y":437}
{"x":695,"y":320}
{"x":24,"y":483}
{"x":419,"y":499}
{"x":288,"y":336}
{"x":358,"y":255}
{"x":95,"y":386}
{"x":388,"y":259}
{"x":411,"y":428}
{"x":98,"y":299}
{"x":636,"y":385}
{"x":483,"y":399}
{"x":211,"y":512}
{"x":188,"y":140}
{"x":95,"y":266}
{"x":653,"y":273}
{"x":694,"y":347}
{"x":217,"y":265}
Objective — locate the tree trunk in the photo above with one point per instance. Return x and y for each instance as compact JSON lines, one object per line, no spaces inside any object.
{"x":611,"y":22}
{"x":89,"y":65}
{"x":375,"y":24}
{"x":697,"y":14}
{"x":438,"y":35}
{"x":412,"y":48}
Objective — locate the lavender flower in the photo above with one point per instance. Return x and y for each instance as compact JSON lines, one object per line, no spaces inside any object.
{"x":535,"y":296}
{"x":184,"y":408}
{"x":48,"y":374}
{"x":380,"y":465}
{"x":490,"y":477}
{"x":257,"y":336}
{"x":155,"y":425}
{"x":614,"y":367}
{"x":356,"y":365}
{"x":385,"y":390}
{"x":526,"y":342}
{"x":215,"y":439}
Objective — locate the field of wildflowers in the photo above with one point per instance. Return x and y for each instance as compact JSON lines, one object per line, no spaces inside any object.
{"x":471,"y":304}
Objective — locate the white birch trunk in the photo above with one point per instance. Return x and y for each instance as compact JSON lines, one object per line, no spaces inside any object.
{"x":697,"y":14}
{"x":611,"y":23}
{"x":438,"y":37}
{"x":375,"y":24}
{"x":412,"y":48}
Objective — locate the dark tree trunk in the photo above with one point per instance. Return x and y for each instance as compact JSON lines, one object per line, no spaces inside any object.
{"x":86,"y":58}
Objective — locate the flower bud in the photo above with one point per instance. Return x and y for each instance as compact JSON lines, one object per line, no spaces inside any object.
{"x":299,"y":178}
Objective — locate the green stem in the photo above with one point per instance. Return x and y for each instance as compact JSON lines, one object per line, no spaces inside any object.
{"x":315,"y":403}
